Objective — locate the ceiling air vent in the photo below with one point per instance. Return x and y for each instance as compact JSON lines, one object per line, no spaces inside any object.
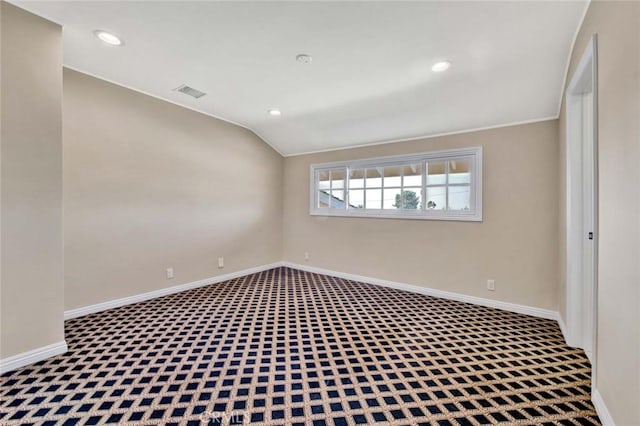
{"x":194,"y":93}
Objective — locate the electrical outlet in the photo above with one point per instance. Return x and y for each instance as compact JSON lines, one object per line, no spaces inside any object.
{"x":491,"y":285}
{"x":306,"y":255}
{"x":169,"y":273}
{"x":221,"y":262}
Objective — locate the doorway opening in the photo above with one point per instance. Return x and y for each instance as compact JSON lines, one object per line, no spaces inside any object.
{"x":582,"y":202}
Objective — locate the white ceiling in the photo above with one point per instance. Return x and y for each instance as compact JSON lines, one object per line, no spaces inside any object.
{"x":370,"y":79}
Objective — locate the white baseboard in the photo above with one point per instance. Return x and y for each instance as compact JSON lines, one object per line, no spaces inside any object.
{"x":563,"y":327}
{"x":33,"y":356}
{"x":505,"y":306}
{"x":601,"y":408}
{"x":99,"y":307}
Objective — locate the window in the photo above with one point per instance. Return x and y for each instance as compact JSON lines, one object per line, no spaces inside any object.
{"x":444,"y":185}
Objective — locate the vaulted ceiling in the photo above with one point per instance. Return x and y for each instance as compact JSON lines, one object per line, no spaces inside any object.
{"x":370,"y":77}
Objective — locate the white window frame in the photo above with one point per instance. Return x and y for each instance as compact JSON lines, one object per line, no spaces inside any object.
{"x":474,"y":155}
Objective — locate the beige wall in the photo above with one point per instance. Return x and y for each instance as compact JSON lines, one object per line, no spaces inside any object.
{"x":150,"y":185}
{"x":516,"y":243}
{"x":31,"y":186}
{"x":617,"y":25}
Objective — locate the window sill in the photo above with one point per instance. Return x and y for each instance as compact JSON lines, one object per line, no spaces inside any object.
{"x":464,"y":217}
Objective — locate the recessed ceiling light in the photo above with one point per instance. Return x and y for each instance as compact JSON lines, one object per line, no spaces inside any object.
{"x":304,"y":58}
{"x":108,"y":38}
{"x":441,"y":66}
{"x":275,"y":112}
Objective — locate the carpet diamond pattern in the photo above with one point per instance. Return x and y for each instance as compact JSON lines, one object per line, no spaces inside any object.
{"x":290,"y":347}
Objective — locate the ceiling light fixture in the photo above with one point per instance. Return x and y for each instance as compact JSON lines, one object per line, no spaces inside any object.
{"x":109,"y":38}
{"x":304,"y":58}
{"x":275,"y":112}
{"x":441,"y":66}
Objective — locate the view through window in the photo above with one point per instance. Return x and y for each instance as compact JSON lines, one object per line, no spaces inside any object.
{"x":439,"y":185}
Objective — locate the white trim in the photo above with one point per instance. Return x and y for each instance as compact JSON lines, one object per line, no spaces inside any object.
{"x":403,"y":158}
{"x":385,"y":214}
{"x":512,"y":307}
{"x":177,"y":104}
{"x":601,"y":408}
{"x":505,"y":306}
{"x":30,"y":357}
{"x":427,"y":136}
{"x":563,"y":327}
{"x":575,"y":311}
{"x":573,"y":46}
{"x":587,"y":60}
{"x":91,"y":309}
{"x":472,"y":154}
{"x":362,"y":145}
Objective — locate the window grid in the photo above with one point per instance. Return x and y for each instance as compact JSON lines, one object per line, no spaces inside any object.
{"x":383,"y":187}
{"x":382,"y":169}
{"x":330,"y":191}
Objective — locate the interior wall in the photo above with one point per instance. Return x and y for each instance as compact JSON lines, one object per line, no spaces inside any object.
{"x":617,"y":25}
{"x":150,"y":185}
{"x":31,"y":182}
{"x":516,"y":244}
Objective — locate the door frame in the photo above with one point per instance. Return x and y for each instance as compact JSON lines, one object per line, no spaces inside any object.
{"x":584,"y":77}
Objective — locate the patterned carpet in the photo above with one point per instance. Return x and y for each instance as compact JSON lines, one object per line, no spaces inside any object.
{"x":296,"y":348}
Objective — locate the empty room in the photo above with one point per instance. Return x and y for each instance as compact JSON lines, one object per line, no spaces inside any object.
{"x":320,"y":213}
